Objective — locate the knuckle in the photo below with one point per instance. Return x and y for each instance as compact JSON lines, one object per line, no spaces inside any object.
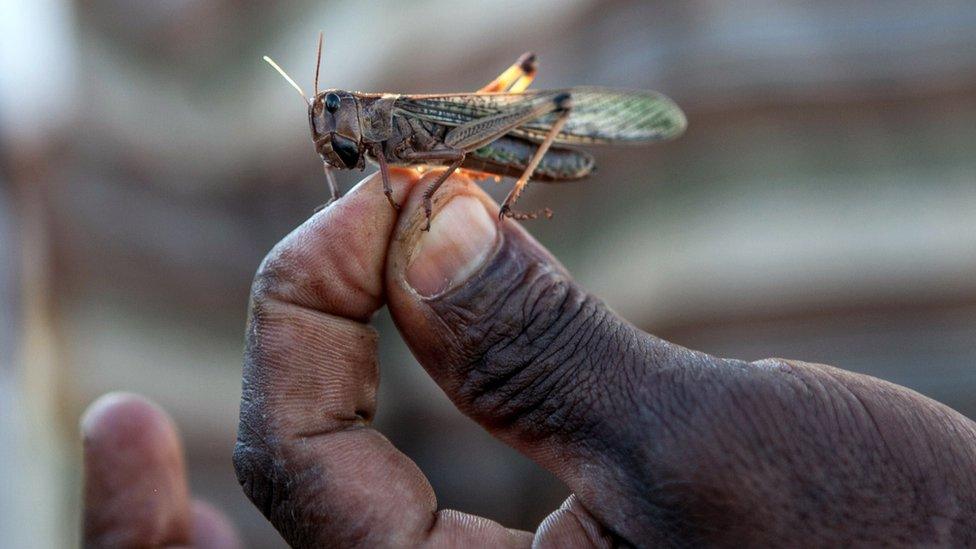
{"x":255,"y":473}
{"x":258,"y":470}
{"x":536,"y":358}
{"x":316,"y":272}
{"x":280,"y":477}
{"x":276,"y":277}
{"x":268,"y":483}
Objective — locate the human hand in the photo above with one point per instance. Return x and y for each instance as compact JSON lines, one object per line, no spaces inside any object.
{"x":660,"y":444}
{"x":136,"y":492}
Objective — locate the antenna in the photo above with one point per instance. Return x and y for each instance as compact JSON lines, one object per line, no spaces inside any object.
{"x":318,"y":63}
{"x":288,"y":78}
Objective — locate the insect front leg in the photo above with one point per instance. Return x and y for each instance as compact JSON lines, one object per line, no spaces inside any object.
{"x":565,"y":103}
{"x":330,"y":180}
{"x":333,"y":187}
{"x":385,"y":174}
{"x":515,"y":78}
{"x":456,"y":155}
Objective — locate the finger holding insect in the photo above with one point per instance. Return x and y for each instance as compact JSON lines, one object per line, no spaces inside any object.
{"x":310,"y":375}
{"x":502,"y":328}
{"x":306,"y":453}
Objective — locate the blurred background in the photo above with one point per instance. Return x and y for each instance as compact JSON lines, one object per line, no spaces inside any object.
{"x":821,"y":206}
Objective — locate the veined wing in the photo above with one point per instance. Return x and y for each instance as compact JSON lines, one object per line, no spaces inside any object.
{"x":599,"y":115}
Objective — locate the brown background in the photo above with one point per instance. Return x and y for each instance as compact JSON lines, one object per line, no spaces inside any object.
{"x":821,"y":206}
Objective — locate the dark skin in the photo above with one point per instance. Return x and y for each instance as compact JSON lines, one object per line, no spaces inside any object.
{"x":660,"y":445}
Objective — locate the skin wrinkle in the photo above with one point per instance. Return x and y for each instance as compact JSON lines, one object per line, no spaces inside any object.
{"x":587,"y":368}
{"x":530,"y":395}
{"x":790,"y":434}
{"x":824,"y":433}
{"x":259,"y":489}
{"x":456,"y":322}
{"x":864,"y":439}
{"x":922,"y":452}
{"x":490,"y":380}
{"x":536,"y":290}
{"x":546,"y":287}
{"x":743,"y":433}
{"x":738,"y":406}
{"x":613,"y":373}
{"x":766,"y":426}
{"x":541,"y":380}
{"x":835,"y":410}
{"x":962,"y":432}
{"x":807,"y":386}
{"x":548,"y":332}
{"x":672,"y":384}
{"x":824,"y":408}
{"x":466,"y":315}
{"x":537,"y":329}
{"x":652,"y":417}
{"x":571,"y":526}
{"x":694,"y":487}
{"x":530,"y":314}
{"x":864,"y":407}
{"x":489,"y":385}
{"x":562,"y":419}
{"x":940,"y":487}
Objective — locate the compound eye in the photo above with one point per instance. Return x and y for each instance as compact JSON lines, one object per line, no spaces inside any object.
{"x":331,"y":102}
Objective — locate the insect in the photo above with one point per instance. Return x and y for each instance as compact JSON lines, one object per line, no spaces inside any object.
{"x":503,"y":129}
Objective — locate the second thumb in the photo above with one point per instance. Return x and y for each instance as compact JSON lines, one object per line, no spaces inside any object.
{"x":510,"y":337}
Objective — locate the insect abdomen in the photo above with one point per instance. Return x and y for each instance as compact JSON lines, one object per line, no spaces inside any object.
{"x":508,"y":156}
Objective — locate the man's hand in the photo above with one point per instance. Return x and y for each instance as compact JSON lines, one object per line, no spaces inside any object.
{"x":660,"y":444}
{"x":136,"y":493}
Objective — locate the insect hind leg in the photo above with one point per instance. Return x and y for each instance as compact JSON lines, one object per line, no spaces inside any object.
{"x":515,"y":78}
{"x":564,"y":102}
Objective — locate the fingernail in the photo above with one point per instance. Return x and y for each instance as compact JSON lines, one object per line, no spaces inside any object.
{"x":462,"y":235}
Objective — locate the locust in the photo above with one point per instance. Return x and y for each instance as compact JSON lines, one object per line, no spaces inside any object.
{"x":503,"y":130}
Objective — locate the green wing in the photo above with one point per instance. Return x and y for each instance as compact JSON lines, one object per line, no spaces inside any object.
{"x":599,"y":115}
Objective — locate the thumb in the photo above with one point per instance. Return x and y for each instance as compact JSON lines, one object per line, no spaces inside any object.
{"x":519,"y":347}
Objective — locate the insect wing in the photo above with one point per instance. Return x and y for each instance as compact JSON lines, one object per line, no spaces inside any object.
{"x":458,"y":108}
{"x":599,"y":115}
{"x":602,"y":115}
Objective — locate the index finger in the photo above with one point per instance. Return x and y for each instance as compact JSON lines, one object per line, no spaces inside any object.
{"x":306,"y":454}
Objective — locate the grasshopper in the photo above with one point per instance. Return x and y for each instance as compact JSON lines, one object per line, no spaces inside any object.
{"x":502,"y":129}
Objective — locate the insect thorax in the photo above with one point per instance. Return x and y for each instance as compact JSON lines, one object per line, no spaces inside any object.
{"x":410,"y":134}
{"x":377,"y":116}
